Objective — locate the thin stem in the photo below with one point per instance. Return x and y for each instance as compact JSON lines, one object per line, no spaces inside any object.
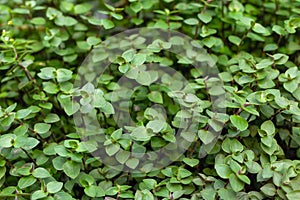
{"x":276,"y":113}
{"x":105,"y":120}
{"x":206,"y":87}
{"x":205,"y":7}
{"x":279,"y":40}
{"x":15,"y":195}
{"x":244,"y":37}
{"x":169,"y":32}
{"x":222,"y":28}
{"x":196,"y":31}
{"x":194,"y":148}
{"x":171,"y":196}
{"x":263,"y":11}
{"x":29,"y":156}
{"x":238,"y":111}
{"x":276,"y":10}
{"x":28,"y":75}
{"x":84,"y":165}
{"x":15,"y":52}
{"x":37,"y":135}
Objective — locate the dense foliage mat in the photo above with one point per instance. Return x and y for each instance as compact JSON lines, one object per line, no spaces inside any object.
{"x":229,"y":129}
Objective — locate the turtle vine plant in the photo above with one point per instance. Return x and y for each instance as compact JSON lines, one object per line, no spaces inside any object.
{"x":255,"y":46}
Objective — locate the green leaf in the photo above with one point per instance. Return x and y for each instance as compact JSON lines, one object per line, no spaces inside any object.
{"x":232,"y":145}
{"x":253,"y":167}
{"x":107,"y":24}
{"x":150,"y":183}
{"x":268,"y":127}
{"x":2,"y":170}
{"x":251,"y":110}
{"x":235,"y":40}
{"x":63,"y":195}
{"x":270,"y":47}
{"x":144,"y":194}
{"x":38,"y":21}
{"x":188,"y":136}
{"x":71,"y":169}
{"x":7,"y":140}
{"x":223,"y":170}
{"x":136,"y":6}
{"x":156,"y":97}
{"x":208,"y":193}
{"x":65,"y":21}
{"x":112,"y":149}
{"x":66,"y":6}
{"x":86,"y":180}
{"x":122,"y":156}
{"x":11,"y":108}
{"x":191,"y":161}
{"x":204,"y":17}
{"x":291,"y":86}
{"x":83,"y":45}
{"x":236,"y":6}
{"x":41,"y":173}
{"x":58,"y":162}
{"x":268,"y":189}
{"x":129,"y":55}
{"x":264,"y":63}
{"x":296,"y":94}
{"x":292,"y":72}
{"x":50,"y":87}
{"x":139,"y":59}
{"x":91,"y":191}
{"x":132,"y":163}
{"x":226,"y":193}
{"x":258,"y":28}
{"x":144,"y":78}
{"x":38,"y":194}
{"x":51,"y":118}
{"x":111,"y":191}
{"x":6,"y":122}
{"x":63,"y":75}
{"x":71,"y":107}
{"x":23,"y":113}
{"x":25,"y":182}
{"x":244,"y":178}
{"x":279,"y":30}
{"x":183,"y":173}
{"x":41,"y":128}
{"x":140,"y":133}
{"x":99,"y":101}
{"x":156,"y":125}
{"x":169,"y":137}
{"x":191,"y":21}
{"x":216,"y":125}
{"x":26,"y":143}
{"x":209,"y":42}
{"x":293,"y":195}
{"x":82,"y":8}
{"x":267,"y":140}
{"x":117,"y":134}
{"x":236,"y":184}
{"x":52,"y":13}
{"x":239,"y":122}
{"x":206,"y":136}
{"x":280,"y":58}
{"x":54,"y":187}
{"x":93,"y":40}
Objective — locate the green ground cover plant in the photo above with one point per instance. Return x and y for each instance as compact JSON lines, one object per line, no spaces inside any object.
{"x":216,"y":93}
